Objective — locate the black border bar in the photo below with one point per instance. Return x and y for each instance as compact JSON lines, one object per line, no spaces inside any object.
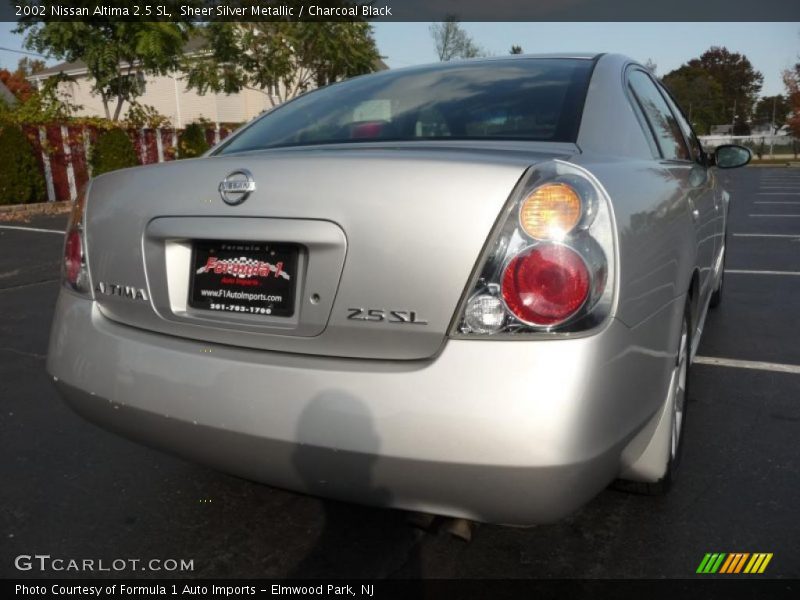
{"x":728,"y":588}
{"x":404,"y":10}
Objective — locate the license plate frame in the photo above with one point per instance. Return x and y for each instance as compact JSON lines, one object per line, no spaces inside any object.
{"x":258,"y":279}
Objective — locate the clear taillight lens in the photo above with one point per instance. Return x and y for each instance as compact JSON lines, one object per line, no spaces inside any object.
{"x":75,"y":273}
{"x":548,"y":266}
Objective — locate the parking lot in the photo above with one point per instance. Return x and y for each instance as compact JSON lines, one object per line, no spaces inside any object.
{"x":72,"y":490}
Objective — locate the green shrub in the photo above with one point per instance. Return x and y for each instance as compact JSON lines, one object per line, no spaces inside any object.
{"x":144,"y":115}
{"x":192,"y":141}
{"x":21,"y":180}
{"x":113,"y":150}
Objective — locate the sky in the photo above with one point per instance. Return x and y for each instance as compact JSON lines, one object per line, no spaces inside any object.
{"x":771,"y":47}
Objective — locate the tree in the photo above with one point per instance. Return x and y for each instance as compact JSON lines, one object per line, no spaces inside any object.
{"x":46,"y":105}
{"x":739,"y":81}
{"x":791,"y":79}
{"x":192,"y":141}
{"x":118,"y":54}
{"x":16,"y":84}
{"x":20,"y":179}
{"x":773,"y":110}
{"x":281,"y":59}
{"x":30,"y":66}
{"x":516,"y":49}
{"x":699,"y":95}
{"x":452,"y":41}
{"x":113,"y":150}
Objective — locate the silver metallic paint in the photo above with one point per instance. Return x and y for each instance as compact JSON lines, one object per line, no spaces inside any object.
{"x":516,"y":431}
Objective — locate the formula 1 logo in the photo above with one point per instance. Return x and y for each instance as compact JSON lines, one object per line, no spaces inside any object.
{"x":734,"y":563}
{"x":243,"y":268}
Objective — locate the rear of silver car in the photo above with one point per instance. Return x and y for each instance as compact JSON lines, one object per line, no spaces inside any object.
{"x":365,"y":324}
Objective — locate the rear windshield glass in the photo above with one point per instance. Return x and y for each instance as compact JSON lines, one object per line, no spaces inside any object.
{"x":520,"y":99}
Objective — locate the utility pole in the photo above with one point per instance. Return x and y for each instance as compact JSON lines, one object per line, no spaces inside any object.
{"x":772,"y":130}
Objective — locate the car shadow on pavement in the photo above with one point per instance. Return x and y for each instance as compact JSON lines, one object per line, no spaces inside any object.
{"x":355,"y":541}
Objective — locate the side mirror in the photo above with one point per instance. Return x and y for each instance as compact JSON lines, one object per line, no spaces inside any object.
{"x":730,"y":156}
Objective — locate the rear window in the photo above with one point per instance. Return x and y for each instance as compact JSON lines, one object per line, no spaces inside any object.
{"x":519,"y":99}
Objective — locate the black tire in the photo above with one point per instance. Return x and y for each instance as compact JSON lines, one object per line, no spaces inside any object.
{"x":663,"y":485}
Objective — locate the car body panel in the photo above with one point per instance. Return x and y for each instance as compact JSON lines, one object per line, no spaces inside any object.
{"x":520,"y":414}
{"x":395,"y":249}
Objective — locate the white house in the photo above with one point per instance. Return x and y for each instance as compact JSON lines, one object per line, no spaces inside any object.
{"x":167,"y":94}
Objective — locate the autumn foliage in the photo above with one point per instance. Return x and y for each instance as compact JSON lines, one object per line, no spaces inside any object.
{"x":791,"y":79}
{"x":16,"y":84}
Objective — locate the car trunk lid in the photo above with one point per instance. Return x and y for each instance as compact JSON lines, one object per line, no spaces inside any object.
{"x":383,"y":242}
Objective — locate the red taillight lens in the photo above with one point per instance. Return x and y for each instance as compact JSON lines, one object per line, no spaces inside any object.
{"x":75,"y":274}
{"x":73,"y":256}
{"x":545,"y":284}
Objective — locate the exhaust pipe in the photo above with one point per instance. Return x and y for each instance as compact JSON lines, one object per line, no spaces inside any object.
{"x":428,"y":523}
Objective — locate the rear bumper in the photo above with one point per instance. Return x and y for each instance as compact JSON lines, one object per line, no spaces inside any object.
{"x":507,"y":432}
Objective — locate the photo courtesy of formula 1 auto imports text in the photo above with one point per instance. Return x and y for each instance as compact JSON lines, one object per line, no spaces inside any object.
{"x":396,"y":299}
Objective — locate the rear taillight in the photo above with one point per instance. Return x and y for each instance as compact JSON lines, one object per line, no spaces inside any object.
{"x":75,"y":273}
{"x":545,"y":284}
{"x":548,"y":266}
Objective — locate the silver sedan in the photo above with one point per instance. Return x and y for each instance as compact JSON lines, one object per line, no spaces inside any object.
{"x":471,"y":289}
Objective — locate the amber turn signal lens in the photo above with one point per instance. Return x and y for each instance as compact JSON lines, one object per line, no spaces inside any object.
{"x":550,"y":211}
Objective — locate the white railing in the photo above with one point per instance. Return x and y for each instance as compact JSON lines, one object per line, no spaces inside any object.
{"x":767,"y":146}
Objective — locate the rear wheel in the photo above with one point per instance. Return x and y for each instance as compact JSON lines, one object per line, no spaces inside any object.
{"x":677,"y":399}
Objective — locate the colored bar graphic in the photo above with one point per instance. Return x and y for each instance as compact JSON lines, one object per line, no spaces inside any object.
{"x":718,"y":563}
{"x":734,"y":562}
{"x":765,"y":563}
{"x":729,"y":562}
{"x":703,"y":563}
{"x":741,"y":562}
{"x":711,"y":563}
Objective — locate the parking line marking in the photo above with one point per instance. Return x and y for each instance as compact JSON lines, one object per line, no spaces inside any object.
{"x":33,"y":229}
{"x":778,"y":194}
{"x":748,"y":272}
{"x":776,"y":202}
{"x":746,"y":364}
{"x":768,"y":235}
{"x":796,"y":216}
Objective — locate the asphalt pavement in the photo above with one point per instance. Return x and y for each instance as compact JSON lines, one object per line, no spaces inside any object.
{"x":72,"y":490}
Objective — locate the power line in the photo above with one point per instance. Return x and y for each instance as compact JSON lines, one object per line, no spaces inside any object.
{"x":22,"y":52}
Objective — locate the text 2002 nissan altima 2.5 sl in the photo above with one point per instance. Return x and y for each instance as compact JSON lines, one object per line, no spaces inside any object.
{"x":471,"y":289}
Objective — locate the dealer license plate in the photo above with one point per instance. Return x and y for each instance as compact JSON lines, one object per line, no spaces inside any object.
{"x":256,"y":278}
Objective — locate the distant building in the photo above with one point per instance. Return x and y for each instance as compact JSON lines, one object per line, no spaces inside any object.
{"x":167,"y":94}
{"x":766,"y":128}
{"x":722,"y":129}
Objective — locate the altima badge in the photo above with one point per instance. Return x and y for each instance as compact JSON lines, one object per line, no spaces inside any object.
{"x":237,"y":186}
{"x":123,"y":291}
